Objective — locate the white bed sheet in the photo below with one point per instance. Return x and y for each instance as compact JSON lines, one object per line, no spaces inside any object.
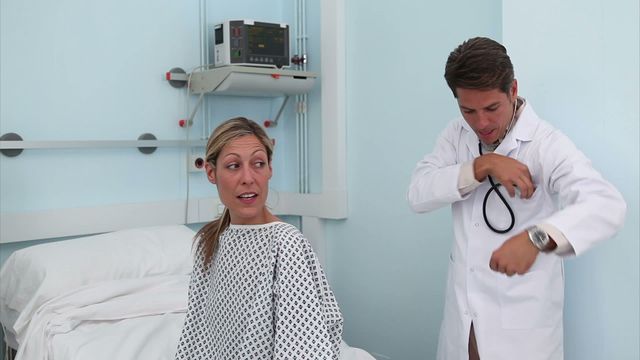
{"x":108,"y":301}
{"x":147,"y":338}
{"x":134,"y":319}
{"x":36,"y":274}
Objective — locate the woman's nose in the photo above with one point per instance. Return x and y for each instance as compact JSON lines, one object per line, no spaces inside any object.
{"x":247,"y":175}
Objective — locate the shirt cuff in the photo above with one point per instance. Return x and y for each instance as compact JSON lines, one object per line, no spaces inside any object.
{"x":564,"y":246}
{"x":467,"y":180}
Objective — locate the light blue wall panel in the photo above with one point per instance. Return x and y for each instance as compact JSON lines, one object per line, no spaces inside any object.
{"x":220,"y":108}
{"x":388,"y":265}
{"x":77,"y":70}
{"x":578,"y":63}
{"x":74,"y":70}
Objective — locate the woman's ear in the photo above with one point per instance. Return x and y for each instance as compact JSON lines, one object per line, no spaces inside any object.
{"x":211,"y":172}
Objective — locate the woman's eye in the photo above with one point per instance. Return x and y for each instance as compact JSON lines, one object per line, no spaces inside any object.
{"x":232,"y":166}
{"x":260,"y":164}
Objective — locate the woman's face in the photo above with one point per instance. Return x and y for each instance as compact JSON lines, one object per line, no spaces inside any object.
{"x":242,"y":176}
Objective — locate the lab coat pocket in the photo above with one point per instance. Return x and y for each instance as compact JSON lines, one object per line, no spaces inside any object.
{"x":524,"y":210}
{"x":532,"y":300}
{"x":529,"y":211}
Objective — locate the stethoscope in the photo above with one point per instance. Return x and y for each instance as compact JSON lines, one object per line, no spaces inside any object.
{"x":494,"y":187}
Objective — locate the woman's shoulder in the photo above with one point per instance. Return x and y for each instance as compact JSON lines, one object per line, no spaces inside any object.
{"x":278,"y":229}
{"x":288,"y":236}
{"x":286,"y":230}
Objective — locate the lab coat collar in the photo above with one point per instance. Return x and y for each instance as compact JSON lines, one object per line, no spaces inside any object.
{"x":523,"y":130}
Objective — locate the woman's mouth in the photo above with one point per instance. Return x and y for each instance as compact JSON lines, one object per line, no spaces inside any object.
{"x":248,"y":198}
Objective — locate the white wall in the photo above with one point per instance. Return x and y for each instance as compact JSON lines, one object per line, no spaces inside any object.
{"x":577,"y":62}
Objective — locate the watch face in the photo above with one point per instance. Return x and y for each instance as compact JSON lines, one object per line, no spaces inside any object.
{"x":539,"y":238}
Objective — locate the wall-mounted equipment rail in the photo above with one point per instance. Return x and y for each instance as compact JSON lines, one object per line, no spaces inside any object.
{"x":96,"y":144}
{"x":251,"y":81}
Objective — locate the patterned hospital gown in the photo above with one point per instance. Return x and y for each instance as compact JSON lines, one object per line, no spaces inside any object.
{"x":264,"y":296}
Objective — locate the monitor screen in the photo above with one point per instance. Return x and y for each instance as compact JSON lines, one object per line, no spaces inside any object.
{"x":266,"y":40}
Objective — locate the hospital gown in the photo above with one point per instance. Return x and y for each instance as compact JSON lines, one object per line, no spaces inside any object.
{"x":264,"y":296}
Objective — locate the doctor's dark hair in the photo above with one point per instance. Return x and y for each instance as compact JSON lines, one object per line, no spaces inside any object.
{"x":479,"y":63}
{"x":207,"y":238}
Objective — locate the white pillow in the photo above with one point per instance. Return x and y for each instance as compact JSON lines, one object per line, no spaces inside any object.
{"x":36,"y":274}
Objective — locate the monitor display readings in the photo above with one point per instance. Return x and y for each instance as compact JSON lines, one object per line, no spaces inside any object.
{"x":266,"y":40}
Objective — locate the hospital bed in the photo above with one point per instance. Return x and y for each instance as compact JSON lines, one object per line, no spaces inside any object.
{"x":120,"y":295}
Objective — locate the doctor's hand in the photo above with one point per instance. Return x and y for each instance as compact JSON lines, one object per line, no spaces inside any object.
{"x":515,"y":256}
{"x":509,"y":172}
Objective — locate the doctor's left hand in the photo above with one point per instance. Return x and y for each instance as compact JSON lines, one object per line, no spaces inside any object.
{"x":515,"y":256}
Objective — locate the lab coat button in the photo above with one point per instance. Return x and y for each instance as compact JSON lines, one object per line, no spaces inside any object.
{"x":472,"y":269}
{"x":477,"y":225}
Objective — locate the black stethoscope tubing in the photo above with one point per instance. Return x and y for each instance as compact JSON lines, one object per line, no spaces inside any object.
{"x":494,"y":187}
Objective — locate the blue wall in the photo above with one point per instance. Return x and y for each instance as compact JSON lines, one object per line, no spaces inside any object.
{"x":578,"y":63}
{"x":388,"y":265}
{"x":77,"y":70}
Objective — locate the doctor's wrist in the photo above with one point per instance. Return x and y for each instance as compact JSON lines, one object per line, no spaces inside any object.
{"x":481,"y":167}
{"x":541,"y":239}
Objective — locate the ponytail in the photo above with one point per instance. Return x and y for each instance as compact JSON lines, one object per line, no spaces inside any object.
{"x":208,"y":237}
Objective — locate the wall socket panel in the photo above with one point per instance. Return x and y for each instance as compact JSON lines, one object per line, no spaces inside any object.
{"x":196,"y":163}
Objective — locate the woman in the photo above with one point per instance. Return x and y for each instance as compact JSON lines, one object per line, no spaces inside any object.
{"x":257,"y":289}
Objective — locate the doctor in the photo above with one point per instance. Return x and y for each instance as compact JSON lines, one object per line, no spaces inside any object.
{"x":523,"y":197}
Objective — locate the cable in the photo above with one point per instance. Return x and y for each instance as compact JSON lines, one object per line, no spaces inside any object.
{"x":190,"y":119}
{"x":188,"y":161}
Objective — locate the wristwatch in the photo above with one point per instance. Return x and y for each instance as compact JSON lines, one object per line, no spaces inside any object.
{"x":540,"y":239}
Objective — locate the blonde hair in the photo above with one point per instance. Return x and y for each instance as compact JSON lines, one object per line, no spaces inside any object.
{"x":207,"y":238}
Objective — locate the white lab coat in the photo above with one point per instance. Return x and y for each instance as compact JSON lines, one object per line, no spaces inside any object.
{"x":517,"y":317}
